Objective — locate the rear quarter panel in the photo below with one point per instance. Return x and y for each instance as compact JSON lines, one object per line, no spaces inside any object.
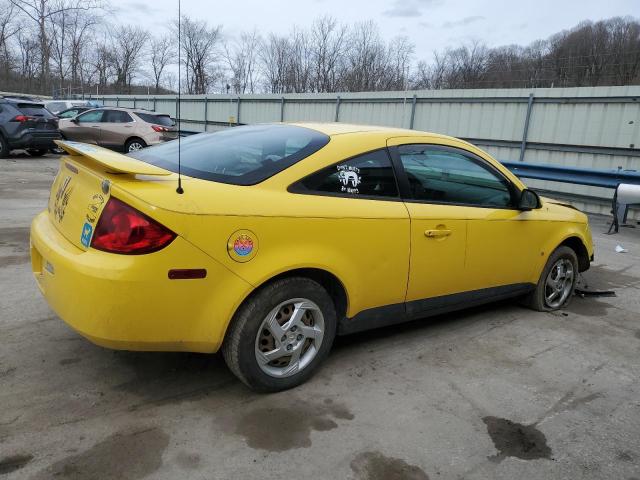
{"x":370,"y":256}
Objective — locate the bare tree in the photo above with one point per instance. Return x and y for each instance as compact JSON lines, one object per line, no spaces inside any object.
{"x":127,"y":43}
{"x":40,"y":13}
{"x":199,"y":44}
{"x":242,"y":59}
{"x":274,"y":60}
{"x":163,"y":53}
{"x":8,"y":28}
{"x":327,"y":47}
{"x":82,"y":26}
{"x":368,"y":64}
{"x":400,"y":53}
{"x":102,"y":61}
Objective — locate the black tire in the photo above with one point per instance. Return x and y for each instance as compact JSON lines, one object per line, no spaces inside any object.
{"x":536,"y":300}
{"x":133,"y":142}
{"x":58,"y":151}
{"x":4,"y":147}
{"x":37,"y":152}
{"x":239,"y":347}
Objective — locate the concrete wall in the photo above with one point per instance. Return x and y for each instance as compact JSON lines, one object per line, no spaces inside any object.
{"x":594,"y":127}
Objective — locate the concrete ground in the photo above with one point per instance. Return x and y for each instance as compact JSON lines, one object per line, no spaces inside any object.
{"x":498,"y":392}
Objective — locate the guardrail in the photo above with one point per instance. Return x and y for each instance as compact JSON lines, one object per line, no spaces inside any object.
{"x":574,"y":175}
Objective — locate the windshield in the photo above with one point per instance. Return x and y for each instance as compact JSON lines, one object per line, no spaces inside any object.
{"x":239,"y":155}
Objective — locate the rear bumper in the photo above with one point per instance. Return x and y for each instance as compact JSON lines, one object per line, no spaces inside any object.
{"x":36,"y":139}
{"x":157,"y":138}
{"x":127,"y":301}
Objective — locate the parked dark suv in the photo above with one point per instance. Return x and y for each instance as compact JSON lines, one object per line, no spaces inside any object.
{"x":26,"y":124}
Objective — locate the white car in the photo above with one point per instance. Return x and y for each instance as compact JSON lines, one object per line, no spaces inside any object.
{"x":57,"y":106}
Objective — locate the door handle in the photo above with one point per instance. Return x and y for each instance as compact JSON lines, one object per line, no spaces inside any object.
{"x":437,"y":233}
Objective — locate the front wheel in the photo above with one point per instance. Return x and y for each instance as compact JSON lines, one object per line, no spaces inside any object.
{"x":281,"y":334}
{"x":557,"y":283}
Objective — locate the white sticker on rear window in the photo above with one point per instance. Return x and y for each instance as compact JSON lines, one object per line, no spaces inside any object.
{"x":349,"y":178}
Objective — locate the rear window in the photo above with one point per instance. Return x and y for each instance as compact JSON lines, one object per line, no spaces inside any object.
{"x":34,"y":110}
{"x":164,"y":120}
{"x":239,"y":155}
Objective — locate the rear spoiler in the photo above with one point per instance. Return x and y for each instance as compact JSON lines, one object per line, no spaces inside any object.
{"x":113,"y":161}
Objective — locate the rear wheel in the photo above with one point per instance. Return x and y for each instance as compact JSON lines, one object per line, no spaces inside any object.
{"x":281,"y":334}
{"x":134,"y":145}
{"x":36,"y":152}
{"x":557,"y":282}
{"x":4,"y":147}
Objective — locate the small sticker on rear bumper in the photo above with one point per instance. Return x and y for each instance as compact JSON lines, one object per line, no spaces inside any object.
{"x":87,"y":231}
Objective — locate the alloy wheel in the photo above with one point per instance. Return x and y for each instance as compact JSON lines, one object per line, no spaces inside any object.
{"x":289,"y":337}
{"x":559,"y":283}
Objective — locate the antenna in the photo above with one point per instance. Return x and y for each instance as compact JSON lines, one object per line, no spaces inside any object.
{"x":179,"y":190}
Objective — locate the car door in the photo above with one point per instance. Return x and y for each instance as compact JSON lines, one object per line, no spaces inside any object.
{"x":357,"y":211}
{"x":500,"y":248}
{"x":85,"y":127}
{"x":438,"y":231}
{"x":117,"y":126}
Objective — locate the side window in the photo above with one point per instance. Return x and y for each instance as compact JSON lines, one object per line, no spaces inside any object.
{"x":369,"y":175}
{"x":117,"y":116}
{"x":442,"y":176}
{"x":93,"y":116}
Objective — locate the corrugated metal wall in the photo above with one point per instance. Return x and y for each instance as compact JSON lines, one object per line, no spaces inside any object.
{"x":595,"y":127}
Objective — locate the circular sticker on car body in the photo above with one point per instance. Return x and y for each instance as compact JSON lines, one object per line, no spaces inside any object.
{"x":242,"y":245}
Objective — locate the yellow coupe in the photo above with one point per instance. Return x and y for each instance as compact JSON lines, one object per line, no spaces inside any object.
{"x":288,"y":234}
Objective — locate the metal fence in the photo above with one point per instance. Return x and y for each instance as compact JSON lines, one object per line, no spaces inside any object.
{"x":595,"y":127}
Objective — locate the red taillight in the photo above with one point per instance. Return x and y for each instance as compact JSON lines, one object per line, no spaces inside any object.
{"x":159,"y":128}
{"x":22,"y":118}
{"x":123,"y":229}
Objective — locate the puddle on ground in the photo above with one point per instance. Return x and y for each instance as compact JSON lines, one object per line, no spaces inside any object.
{"x":69,"y":361}
{"x":13,"y":463}
{"x":589,"y":307}
{"x":122,"y":456}
{"x":376,"y":466}
{"x":15,"y":237}
{"x":14,"y":260}
{"x":188,"y":460}
{"x":516,"y":440}
{"x":287,"y":425}
{"x":599,"y":277}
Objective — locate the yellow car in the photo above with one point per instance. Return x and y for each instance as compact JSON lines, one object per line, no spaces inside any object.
{"x":288,"y":234}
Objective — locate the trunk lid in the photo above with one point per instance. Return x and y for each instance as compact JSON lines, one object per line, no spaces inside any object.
{"x":83,"y":186}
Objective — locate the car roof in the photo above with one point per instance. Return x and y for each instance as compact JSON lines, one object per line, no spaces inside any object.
{"x":22,"y":100}
{"x":332,"y":128}
{"x":131,"y":110}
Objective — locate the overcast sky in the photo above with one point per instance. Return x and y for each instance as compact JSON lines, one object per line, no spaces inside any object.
{"x":429,"y":24}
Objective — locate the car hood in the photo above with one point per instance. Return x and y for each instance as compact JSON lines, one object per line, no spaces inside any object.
{"x":559,"y":202}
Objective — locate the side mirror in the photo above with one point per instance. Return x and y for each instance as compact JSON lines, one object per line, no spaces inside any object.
{"x":529,"y":200}
{"x":74,"y":120}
